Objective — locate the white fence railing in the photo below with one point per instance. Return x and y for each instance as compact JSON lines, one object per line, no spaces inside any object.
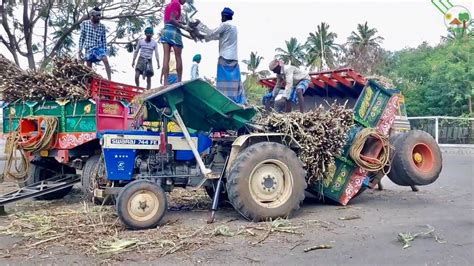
{"x":445,"y":129}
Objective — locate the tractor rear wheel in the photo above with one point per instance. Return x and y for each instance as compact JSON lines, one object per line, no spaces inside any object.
{"x":266,"y":181}
{"x":93,"y":177}
{"x":141,"y":204}
{"x":44,"y":169}
{"x":417,"y":159}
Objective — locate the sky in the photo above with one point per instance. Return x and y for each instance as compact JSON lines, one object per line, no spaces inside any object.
{"x":264,"y":25}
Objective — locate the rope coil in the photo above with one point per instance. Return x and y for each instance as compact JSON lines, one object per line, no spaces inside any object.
{"x":18,"y":171}
{"x":367,"y":163}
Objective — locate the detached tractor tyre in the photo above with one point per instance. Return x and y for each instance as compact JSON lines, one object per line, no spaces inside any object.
{"x":266,"y":181}
{"x":417,"y":159}
{"x":141,"y":205}
{"x":48,"y":168}
{"x":394,"y":173}
{"x":93,"y":176}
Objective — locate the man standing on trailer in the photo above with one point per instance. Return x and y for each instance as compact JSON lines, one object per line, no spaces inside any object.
{"x":144,"y":66}
{"x":228,"y":80}
{"x":173,"y":75}
{"x":296,"y":82}
{"x":93,"y":41}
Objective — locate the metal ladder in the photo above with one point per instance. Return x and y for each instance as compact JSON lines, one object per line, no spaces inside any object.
{"x":38,"y":189}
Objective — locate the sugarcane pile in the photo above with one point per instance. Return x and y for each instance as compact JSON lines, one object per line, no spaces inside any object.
{"x":320,"y":132}
{"x":68,"y":79}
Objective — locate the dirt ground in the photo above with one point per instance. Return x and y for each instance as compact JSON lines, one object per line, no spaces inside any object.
{"x":365,"y":232}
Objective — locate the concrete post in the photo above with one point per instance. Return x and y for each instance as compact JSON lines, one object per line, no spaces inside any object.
{"x":436,"y":130}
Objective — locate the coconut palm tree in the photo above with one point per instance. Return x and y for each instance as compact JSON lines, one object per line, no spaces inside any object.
{"x":253,"y":89}
{"x":292,"y":54}
{"x":321,"y":48}
{"x":363,"y":48}
{"x":253,"y":62}
{"x":365,"y":37}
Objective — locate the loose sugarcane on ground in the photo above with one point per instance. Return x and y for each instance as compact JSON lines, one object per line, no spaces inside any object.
{"x":96,"y":231}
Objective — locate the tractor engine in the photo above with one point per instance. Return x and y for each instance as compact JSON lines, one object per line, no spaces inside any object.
{"x":151,"y":163}
{"x":131,"y":155}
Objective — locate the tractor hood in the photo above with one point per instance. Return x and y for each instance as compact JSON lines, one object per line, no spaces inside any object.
{"x":201,"y":106}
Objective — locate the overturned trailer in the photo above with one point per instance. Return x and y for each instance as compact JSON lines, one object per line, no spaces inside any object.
{"x":415,"y":159}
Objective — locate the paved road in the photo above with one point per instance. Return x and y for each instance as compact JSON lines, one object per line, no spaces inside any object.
{"x":447,"y":205}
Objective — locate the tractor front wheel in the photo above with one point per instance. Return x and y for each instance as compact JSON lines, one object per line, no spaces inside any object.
{"x":141,"y":204}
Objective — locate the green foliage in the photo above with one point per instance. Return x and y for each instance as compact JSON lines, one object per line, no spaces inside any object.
{"x":321,"y":48}
{"x":365,"y":36}
{"x":363,"y":51}
{"x":253,"y":62}
{"x":254,"y":92}
{"x":435,"y":80}
{"x":130,"y":47}
{"x":58,"y":22}
{"x":292,"y":54}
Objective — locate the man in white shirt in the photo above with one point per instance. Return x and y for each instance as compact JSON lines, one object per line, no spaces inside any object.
{"x":195,"y":66}
{"x":228,"y":80}
{"x":293,"y":80}
{"x":144,"y":66}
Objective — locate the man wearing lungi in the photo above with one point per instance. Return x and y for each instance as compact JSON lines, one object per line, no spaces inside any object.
{"x":228,"y":79}
{"x":171,"y":38}
{"x":295,"y":82}
{"x":147,"y":47}
{"x":92,"y":40}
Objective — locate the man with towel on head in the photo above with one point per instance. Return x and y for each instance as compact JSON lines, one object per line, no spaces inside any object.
{"x":228,"y":79}
{"x":293,"y":80}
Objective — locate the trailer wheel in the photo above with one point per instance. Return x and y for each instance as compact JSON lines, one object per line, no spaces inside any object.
{"x":93,"y":176}
{"x":266,"y":181}
{"x":417,"y":160}
{"x":141,"y":204}
{"x":44,"y":169}
{"x":394,"y":174}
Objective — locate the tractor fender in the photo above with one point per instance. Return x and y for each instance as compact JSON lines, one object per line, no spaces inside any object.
{"x":245,"y":141}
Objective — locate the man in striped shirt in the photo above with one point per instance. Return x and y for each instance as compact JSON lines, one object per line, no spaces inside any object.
{"x":93,"y":41}
{"x":144,"y":66}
